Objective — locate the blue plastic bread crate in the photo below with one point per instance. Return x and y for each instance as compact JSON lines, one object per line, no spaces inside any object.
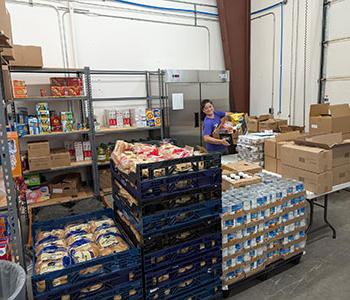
{"x":118,"y":285}
{"x":169,"y":239}
{"x":186,"y":251}
{"x":191,"y":284}
{"x":159,"y":179}
{"x":190,"y":267}
{"x":177,"y":200}
{"x":169,"y":220}
{"x":128,"y":261}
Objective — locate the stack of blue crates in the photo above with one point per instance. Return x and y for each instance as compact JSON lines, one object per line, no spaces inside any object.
{"x":118,"y":275}
{"x":171,"y":209}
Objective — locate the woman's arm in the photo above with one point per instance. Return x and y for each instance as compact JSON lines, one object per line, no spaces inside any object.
{"x":211,"y":140}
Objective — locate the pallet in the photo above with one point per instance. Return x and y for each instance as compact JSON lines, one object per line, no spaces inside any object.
{"x":237,"y":285}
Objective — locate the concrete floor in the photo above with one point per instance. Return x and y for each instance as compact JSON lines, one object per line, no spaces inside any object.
{"x":324,"y":272}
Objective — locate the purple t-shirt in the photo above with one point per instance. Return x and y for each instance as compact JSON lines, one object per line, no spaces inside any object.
{"x":209,"y":126}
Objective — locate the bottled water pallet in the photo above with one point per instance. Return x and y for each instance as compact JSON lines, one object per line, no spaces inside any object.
{"x":166,"y":178}
{"x":270,"y":270}
{"x":170,"y":220}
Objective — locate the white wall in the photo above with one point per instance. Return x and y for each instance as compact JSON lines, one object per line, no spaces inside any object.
{"x":101,"y":35}
{"x":266,"y":62}
{"x":337,"y":53}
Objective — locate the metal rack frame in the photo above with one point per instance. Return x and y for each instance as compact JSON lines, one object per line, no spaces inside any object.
{"x":87,"y":113}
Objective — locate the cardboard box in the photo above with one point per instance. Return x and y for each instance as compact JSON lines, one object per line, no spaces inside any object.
{"x":60,"y":158}
{"x":242,"y":166}
{"x":105,"y":179}
{"x":346,"y":136}
{"x":281,"y":122}
{"x":279,"y":166}
{"x":270,"y":124}
{"x":38,"y":149}
{"x":333,"y":141}
{"x":6,"y":29}
{"x":270,"y":164}
{"x":27,"y":56}
{"x":68,"y":185}
{"x":39,"y":163}
{"x":311,"y":159}
{"x":288,"y":128}
{"x":271,"y":145}
{"x":252,"y":124}
{"x":341,"y":174}
{"x":279,"y":148}
{"x":325,"y":118}
{"x":316,"y":183}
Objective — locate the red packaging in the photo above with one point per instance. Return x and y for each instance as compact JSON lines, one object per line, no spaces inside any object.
{"x":20,"y":92}
{"x":74,"y":90}
{"x":74,"y":81}
{"x":4,"y":249}
{"x":55,"y":122}
{"x":58,"y":91}
{"x":58,"y":81}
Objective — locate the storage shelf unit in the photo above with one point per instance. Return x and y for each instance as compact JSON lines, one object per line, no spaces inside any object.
{"x":87,"y":108}
{"x":49,"y":99}
{"x":54,"y":134}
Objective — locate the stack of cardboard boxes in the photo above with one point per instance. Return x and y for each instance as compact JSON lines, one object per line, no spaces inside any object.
{"x":40,"y":157}
{"x":265,"y":122}
{"x":273,"y":149}
{"x":326,"y":118}
{"x":322,"y":159}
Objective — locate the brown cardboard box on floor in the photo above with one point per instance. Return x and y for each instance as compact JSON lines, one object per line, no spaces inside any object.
{"x":281,"y":122}
{"x":325,"y":118}
{"x":270,"y":124}
{"x":105,"y":179}
{"x":68,"y":185}
{"x":316,"y":183}
{"x":60,"y":158}
{"x":38,"y":149}
{"x":252,"y":124}
{"x":270,"y":164}
{"x":272,"y":145}
{"x":341,"y":174}
{"x":311,"y":159}
{"x":27,"y":56}
{"x":331,"y":141}
{"x":288,"y":128}
{"x":39,"y":163}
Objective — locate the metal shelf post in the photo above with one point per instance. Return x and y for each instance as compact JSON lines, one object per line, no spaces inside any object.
{"x":12,"y":199}
{"x":92,"y":133}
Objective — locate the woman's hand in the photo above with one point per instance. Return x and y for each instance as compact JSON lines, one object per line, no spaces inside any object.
{"x":225,"y":143}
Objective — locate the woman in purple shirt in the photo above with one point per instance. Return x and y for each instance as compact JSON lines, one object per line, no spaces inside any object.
{"x":211,"y":121}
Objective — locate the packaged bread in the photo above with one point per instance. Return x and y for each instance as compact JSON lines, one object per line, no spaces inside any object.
{"x":43,"y":237}
{"x":83,"y":238}
{"x":115,"y":248}
{"x":92,"y":288}
{"x":52,"y":253}
{"x":101,"y":224}
{"x":85,"y":253}
{"x":76,"y":229}
{"x":57,"y":243}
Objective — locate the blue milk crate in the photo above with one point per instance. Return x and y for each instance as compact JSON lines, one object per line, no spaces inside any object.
{"x":209,"y":291}
{"x":110,"y":264}
{"x":190,"y":267}
{"x":171,"y":238}
{"x":186,"y":251}
{"x":177,"y":200}
{"x":111,"y":286}
{"x":145,"y":185}
{"x":175,"y":219}
{"x":185,"y":285}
